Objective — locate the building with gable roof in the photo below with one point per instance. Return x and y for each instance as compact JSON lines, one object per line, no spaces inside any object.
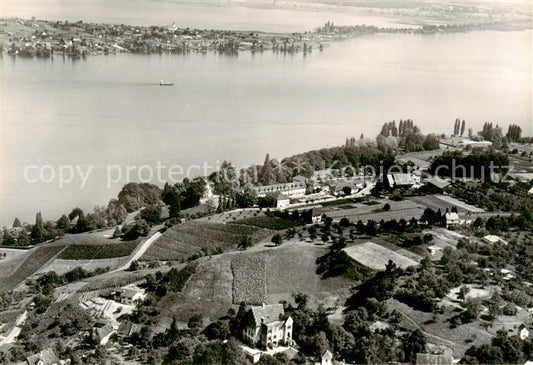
{"x":327,"y":358}
{"x":267,"y":327}
{"x":523,"y":332}
{"x":45,"y":357}
{"x":452,"y":219}
{"x":292,"y":190}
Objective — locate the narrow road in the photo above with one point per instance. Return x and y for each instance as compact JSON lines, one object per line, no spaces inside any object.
{"x":139,"y":251}
{"x":12,"y":335}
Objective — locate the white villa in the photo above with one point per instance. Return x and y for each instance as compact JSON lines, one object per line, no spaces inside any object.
{"x":452,"y":219}
{"x":267,"y":327}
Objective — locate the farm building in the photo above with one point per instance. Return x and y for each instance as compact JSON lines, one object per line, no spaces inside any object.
{"x":267,"y":327}
{"x":452,"y":220}
{"x":292,"y":190}
{"x":437,"y":185}
{"x":338,"y":186}
{"x":129,"y":296}
{"x":402,"y":180}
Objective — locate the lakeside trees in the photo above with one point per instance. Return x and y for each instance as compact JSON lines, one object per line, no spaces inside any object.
{"x":406,"y":136}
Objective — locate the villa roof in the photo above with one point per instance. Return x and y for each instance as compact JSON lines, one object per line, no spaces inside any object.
{"x":452,"y":216}
{"x":267,"y":314}
{"x":129,"y":293}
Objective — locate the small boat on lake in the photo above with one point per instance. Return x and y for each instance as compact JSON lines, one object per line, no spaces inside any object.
{"x":165,"y":83}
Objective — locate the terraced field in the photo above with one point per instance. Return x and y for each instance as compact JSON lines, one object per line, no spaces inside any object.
{"x":38,"y":258}
{"x":98,"y":251}
{"x":249,"y":278}
{"x":190,"y":238}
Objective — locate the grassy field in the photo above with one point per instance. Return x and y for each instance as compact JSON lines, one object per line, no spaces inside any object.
{"x":273,"y":223}
{"x":38,"y":257}
{"x":459,"y":339}
{"x":376,"y":257}
{"x":253,"y":276}
{"x":98,"y":251}
{"x":442,"y":202}
{"x":192,"y":238}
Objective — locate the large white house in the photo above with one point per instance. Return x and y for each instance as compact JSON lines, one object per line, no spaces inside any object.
{"x":292,"y":190}
{"x":452,"y":219}
{"x":267,"y":326}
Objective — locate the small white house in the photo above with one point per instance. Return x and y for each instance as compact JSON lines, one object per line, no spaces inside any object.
{"x":129,"y":296}
{"x":326,"y":358}
{"x":433,"y":250}
{"x":523,"y":332}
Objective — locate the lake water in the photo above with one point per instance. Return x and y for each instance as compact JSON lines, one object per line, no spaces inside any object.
{"x":196,"y":14}
{"x":110,"y":110}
